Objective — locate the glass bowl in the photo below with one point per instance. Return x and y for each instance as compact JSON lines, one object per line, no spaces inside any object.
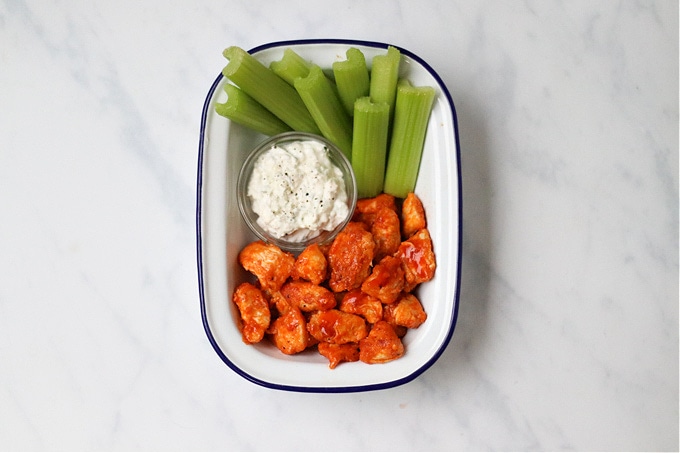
{"x":283,"y":217}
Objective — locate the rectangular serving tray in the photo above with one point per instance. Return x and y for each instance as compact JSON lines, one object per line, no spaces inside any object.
{"x":221,"y":234}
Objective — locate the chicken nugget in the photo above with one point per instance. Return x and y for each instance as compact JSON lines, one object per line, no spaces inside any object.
{"x":271,"y":265}
{"x":359,"y":303}
{"x":289,"y":332}
{"x":386,"y":280}
{"x":350,"y":257}
{"x":311,"y":265}
{"x":336,"y":353}
{"x":367,"y":208}
{"x":412,"y":215}
{"x":419,"y":259}
{"x":335,"y":326}
{"x":254,"y":310}
{"x":407,"y":311}
{"x":307,"y":296}
{"x":381,"y":345}
{"x":386,"y":231}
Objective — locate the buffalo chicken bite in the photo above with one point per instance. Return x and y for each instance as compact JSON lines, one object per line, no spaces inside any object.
{"x":386,"y":233}
{"x":407,"y":311}
{"x":381,"y":345}
{"x":307,"y":296}
{"x":311,"y":265}
{"x":359,"y":303}
{"x":367,"y":208}
{"x":350,"y":257}
{"x":418,"y":257}
{"x":412,"y":215}
{"x":254,"y":310}
{"x":335,"y":326}
{"x":336,"y":353}
{"x":289,"y":331}
{"x":386,"y":280}
{"x":271,"y":265}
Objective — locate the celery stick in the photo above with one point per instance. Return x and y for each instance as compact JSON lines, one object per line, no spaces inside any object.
{"x":411,"y":115}
{"x":270,"y":90}
{"x":243,"y":109}
{"x":322,"y":101}
{"x":290,"y":66}
{"x":369,"y":145}
{"x":351,"y":78}
{"x":384,"y":76}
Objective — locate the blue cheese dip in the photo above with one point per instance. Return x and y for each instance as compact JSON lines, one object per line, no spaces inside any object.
{"x":297,"y":191}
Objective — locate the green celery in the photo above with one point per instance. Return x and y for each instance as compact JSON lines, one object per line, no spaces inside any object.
{"x":270,"y":90}
{"x":369,"y":145}
{"x":290,"y":66}
{"x":384,"y":76}
{"x":411,"y":115}
{"x":322,"y":101}
{"x":243,"y":109}
{"x":351,"y":78}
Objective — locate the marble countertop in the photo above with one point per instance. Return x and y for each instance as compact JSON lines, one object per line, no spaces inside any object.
{"x":567,"y":335}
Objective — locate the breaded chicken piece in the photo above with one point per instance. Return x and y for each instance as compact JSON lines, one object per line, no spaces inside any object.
{"x":350,"y":257}
{"x":254,"y":310}
{"x":418,"y":257}
{"x":311,"y":265}
{"x":359,"y":303}
{"x":335,"y":326}
{"x":289,"y":331}
{"x":336,"y":353}
{"x":386,"y":280}
{"x":381,"y":345}
{"x":271,"y":265}
{"x":412,"y":215}
{"x":386,"y":231}
{"x":307,"y":296}
{"x":278,"y":303}
{"x":407,"y":311}
{"x":367,"y":208}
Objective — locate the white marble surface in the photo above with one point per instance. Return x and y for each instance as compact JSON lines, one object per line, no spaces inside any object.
{"x":567,"y":337}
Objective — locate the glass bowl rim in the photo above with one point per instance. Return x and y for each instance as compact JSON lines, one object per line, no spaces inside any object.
{"x":337,"y":157}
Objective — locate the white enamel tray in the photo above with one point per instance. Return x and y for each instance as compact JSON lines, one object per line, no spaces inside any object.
{"x":221,"y":233}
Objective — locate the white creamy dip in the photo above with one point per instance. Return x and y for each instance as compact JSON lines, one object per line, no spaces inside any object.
{"x":297,"y":191}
